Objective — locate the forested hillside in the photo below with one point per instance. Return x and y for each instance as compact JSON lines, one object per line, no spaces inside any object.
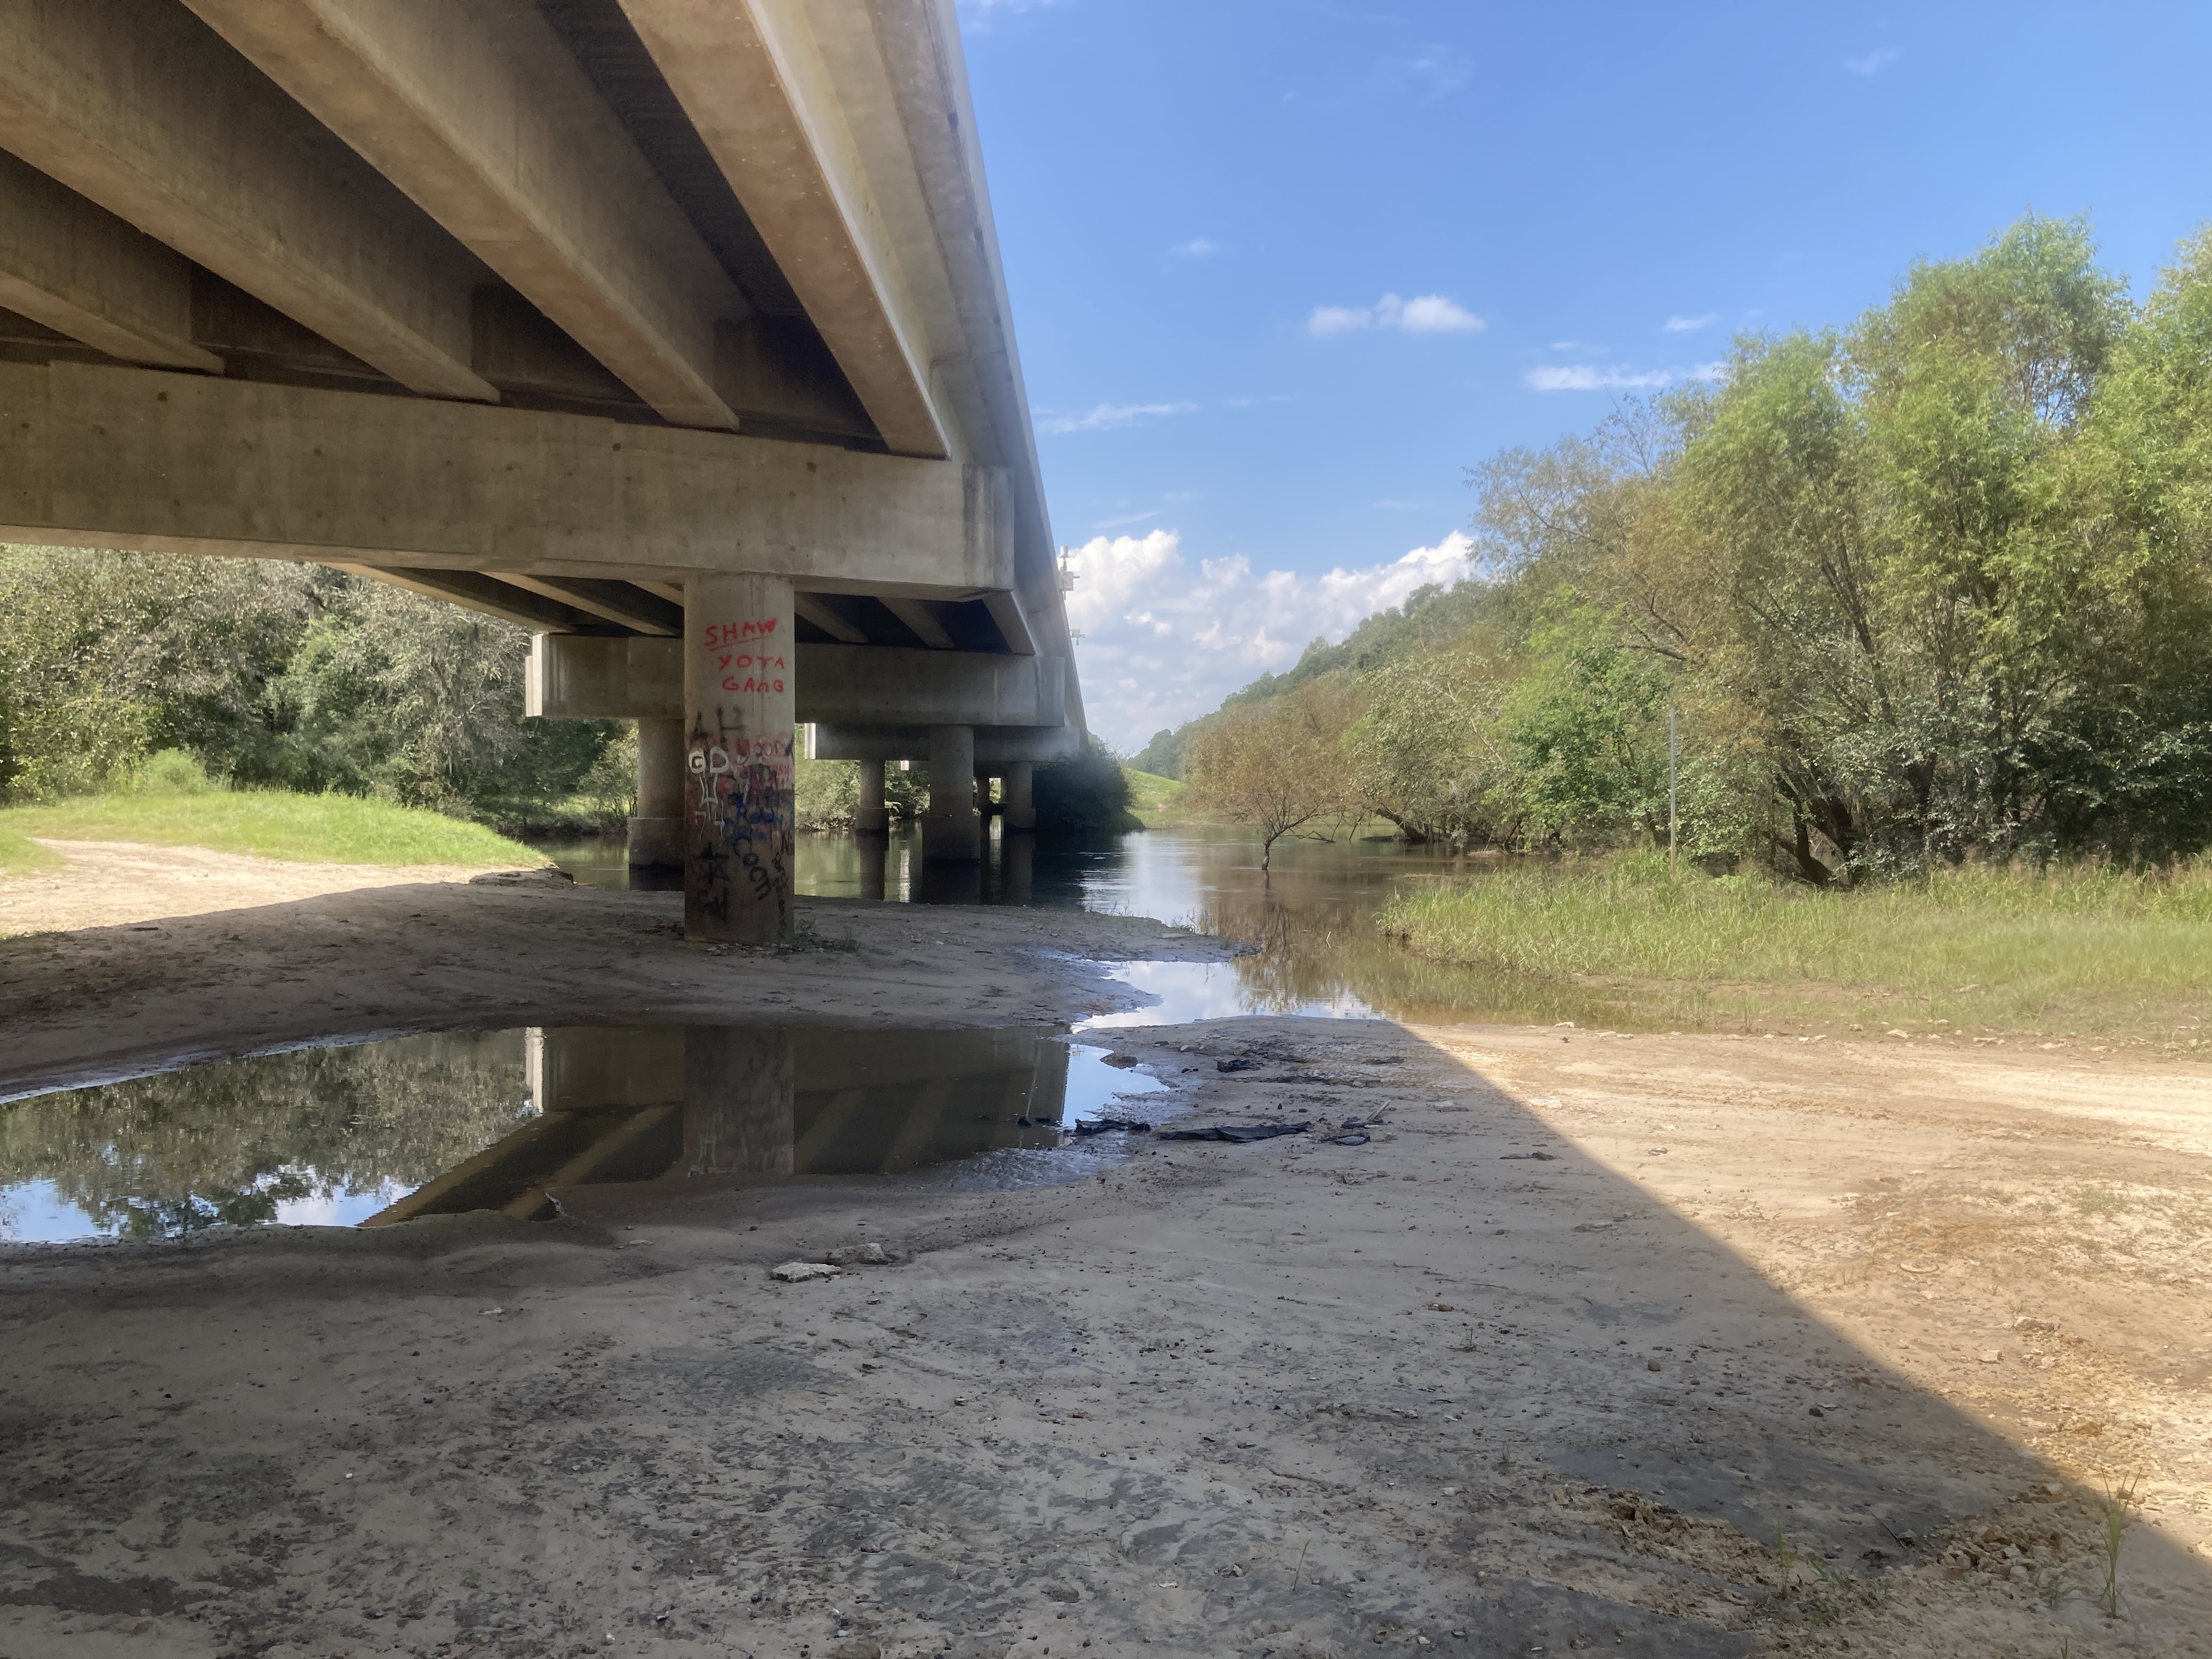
{"x":1933,"y":586}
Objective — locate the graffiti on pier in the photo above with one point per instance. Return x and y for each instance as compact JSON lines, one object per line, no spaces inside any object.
{"x":738,"y":816}
{"x":747,"y":659}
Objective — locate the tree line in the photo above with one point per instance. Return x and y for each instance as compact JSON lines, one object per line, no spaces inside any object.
{"x":281,"y":676}
{"x":1932,"y":588}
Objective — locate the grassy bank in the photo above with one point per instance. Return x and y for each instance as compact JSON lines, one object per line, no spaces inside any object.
{"x":20,"y":853}
{"x":265,"y":823}
{"x":1977,"y":950}
{"x":1153,"y":797}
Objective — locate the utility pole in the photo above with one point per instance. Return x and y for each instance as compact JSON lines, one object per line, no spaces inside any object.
{"x":1673,"y":867}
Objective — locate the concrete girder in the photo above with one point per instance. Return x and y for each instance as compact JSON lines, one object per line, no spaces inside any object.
{"x":1013,"y":618}
{"x":623,"y":603}
{"x":811,"y":609}
{"x":769,"y":84}
{"x":574,"y":677}
{"x":580,"y":677}
{"x":995,"y":745}
{"x":82,"y":271}
{"x":483,"y":117}
{"x":95,"y":456}
{"x":920,"y":622}
{"x":489,"y":596}
{"x":849,"y":684}
{"x":140,"y":107}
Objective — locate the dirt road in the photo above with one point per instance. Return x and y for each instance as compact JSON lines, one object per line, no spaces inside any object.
{"x":1504,"y":1377}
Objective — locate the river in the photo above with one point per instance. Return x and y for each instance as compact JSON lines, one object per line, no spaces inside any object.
{"x":1312,"y":918}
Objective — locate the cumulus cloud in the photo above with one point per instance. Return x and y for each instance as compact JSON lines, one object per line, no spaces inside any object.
{"x":1425,"y":314}
{"x":1164,"y":640}
{"x":1105,"y":418}
{"x":1692,"y":325}
{"x":1872,"y":63}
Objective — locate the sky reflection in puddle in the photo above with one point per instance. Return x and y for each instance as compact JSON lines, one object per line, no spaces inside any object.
{"x":372,"y":1134}
{"x":1189,"y":991}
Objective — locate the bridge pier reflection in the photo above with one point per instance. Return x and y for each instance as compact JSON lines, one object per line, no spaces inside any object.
{"x":740,"y":1097}
{"x":748,"y":1105}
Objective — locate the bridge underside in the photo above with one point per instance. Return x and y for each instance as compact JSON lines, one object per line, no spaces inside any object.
{"x":656,"y":326}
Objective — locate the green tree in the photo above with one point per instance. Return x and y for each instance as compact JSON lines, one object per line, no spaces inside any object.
{"x":1278,"y":765}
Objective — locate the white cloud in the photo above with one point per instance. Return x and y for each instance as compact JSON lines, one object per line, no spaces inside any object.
{"x":1438,"y":69}
{"x":1198,"y":247}
{"x":980,"y":12}
{"x":1872,"y":63}
{"x":1588,"y":377}
{"x":1326,"y":320}
{"x":1692,"y":325}
{"x":1105,"y":418}
{"x":1426,"y":314}
{"x":1163,"y":642}
{"x":1431,"y":73}
{"x":1132,"y":517}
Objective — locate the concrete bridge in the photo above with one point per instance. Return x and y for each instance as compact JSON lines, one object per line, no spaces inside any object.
{"x":672,"y":330}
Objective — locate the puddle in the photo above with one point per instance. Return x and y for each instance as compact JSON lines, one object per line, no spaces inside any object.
{"x":370,"y":1133}
{"x":1187,"y":991}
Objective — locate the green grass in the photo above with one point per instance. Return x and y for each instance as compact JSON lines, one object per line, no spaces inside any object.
{"x":18,"y":854}
{"x":266,"y":823}
{"x":1154,"y":799}
{"x":2092,"y":950}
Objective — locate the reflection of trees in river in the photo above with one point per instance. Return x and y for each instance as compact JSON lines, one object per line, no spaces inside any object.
{"x":159,"y":1155}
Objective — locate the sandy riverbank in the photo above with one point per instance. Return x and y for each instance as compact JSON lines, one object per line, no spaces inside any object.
{"x":224,"y":955}
{"x":1282,"y":1399}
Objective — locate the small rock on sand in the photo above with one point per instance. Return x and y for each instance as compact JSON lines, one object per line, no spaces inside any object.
{"x":798,"y":1273}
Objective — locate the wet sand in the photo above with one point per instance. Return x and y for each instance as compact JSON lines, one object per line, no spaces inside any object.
{"x":1429,"y":1393}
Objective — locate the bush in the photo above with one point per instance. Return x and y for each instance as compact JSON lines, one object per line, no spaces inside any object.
{"x":827,"y":795}
{"x":167,"y":772}
{"x":1087,"y":795}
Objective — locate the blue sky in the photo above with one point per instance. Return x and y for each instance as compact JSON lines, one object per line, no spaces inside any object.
{"x":1283,"y":268}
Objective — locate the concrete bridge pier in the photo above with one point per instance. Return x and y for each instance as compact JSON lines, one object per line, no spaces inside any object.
{"x":656,"y":829}
{"x":1017,"y":805}
{"x":950,"y":832}
{"x":872,"y":818}
{"x":740,"y":721}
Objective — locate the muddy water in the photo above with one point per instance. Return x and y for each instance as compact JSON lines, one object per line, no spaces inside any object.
{"x":373,"y":1132}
